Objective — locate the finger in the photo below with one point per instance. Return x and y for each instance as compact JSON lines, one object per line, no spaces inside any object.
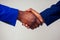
{"x":34,"y":26}
{"x":29,"y":9}
{"x":25,"y":25}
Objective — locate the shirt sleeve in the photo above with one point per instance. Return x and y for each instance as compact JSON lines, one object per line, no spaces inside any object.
{"x":51,"y":14}
{"x":8,"y":15}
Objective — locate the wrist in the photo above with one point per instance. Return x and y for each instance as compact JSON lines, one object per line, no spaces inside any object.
{"x":40,"y":18}
{"x":19,"y":13}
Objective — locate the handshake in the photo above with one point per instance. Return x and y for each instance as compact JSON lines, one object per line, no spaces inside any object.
{"x":30,"y":18}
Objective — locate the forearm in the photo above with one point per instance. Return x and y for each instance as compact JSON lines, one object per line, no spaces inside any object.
{"x":8,"y":15}
{"x":51,"y":14}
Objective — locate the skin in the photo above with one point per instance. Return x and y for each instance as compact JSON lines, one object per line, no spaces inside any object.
{"x":40,"y":19}
{"x":36,"y":14}
{"x":28,"y":19}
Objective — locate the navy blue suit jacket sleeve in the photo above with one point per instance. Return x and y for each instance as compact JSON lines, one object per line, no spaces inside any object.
{"x":8,"y":15}
{"x":51,"y":14}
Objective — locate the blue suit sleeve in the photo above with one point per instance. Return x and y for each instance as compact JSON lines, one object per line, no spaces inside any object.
{"x":8,"y":15}
{"x":51,"y":14}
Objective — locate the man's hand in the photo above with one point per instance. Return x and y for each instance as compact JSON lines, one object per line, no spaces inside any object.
{"x":28,"y":19}
{"x":37,"y":15}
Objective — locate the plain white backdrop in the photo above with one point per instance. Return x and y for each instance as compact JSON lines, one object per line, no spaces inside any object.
{"x":19,"y":32}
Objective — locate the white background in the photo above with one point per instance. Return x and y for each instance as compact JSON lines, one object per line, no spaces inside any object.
{"x":19,"y":32}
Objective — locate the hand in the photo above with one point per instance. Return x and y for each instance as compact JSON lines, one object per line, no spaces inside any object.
{"x":36,"y":14}
{"x":28,"y":19}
